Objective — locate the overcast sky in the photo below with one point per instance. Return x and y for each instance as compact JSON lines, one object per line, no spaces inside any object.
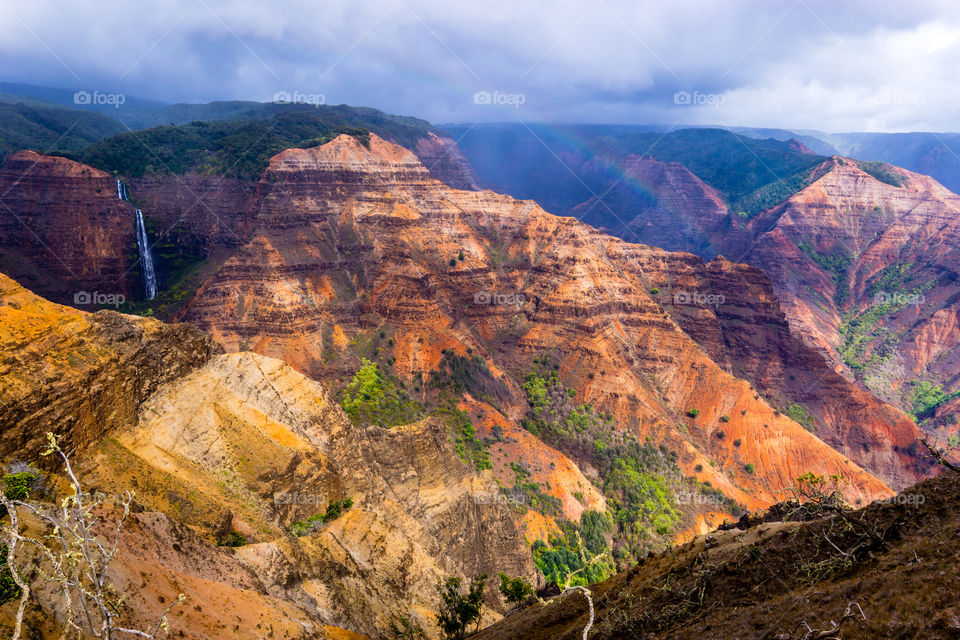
{"x":833,"y":65}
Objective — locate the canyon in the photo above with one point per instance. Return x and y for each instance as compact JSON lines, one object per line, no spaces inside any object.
{"x":861,"y":255}
{"x":229,"y":421}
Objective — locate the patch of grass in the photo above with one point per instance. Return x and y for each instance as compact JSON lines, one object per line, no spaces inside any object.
{"x":798,"y":413}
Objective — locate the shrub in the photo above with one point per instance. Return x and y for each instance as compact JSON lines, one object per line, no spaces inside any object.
{"x":721,"y":435}
{"x":19,"y":484}
{"x":514,"y":590}
{"x":926,"y":398}
{"x":407,"y":629}
{"x":8,"y":588}
{"x":724,"y":418}
{"x":693,"y":413}
{"x":736,"y":442}
{"x":335,"y":509}
{"x":232,"y":539}
{"x":750,"y":468}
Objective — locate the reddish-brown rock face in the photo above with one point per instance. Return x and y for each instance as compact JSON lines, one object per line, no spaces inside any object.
{"x":195,"y":214}
{"x":867,"y":273}
{"x":739,"y":323}
{"x":864,"y":267}
{"x":353,"y":241}
{"x":443,"y":158}
{"x":63,"y":230}
{"x":661,"y":204}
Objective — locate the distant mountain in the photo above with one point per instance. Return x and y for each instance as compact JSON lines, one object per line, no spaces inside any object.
{"x":132,"y":110}
{"x":815,"y":140}
{"x":28,"y":124}
{"x":229,"y":138}
{"x":243,"y":146}
{"x":562,"y":166}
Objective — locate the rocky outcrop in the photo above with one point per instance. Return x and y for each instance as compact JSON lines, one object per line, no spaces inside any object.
{"x":354,"y":241}
{"x":247,"y":441}
{"x":224,"y":597}
{"x":64,"y":231}
{"x":445,"y":162}
{"x":212,"y":444}
{"x":732,"y":312}
{"x":81,"y":375}
{"x":862,"y":259}
{"x":866,"y":271}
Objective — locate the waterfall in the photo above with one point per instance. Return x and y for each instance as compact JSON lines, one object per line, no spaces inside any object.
{"x":143,"y":247}
{"x":146,"y":258}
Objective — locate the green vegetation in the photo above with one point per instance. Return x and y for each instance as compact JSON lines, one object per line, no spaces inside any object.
{"x":19,"y":484}
{"x":693,"y":413}
{"x":232,"y":539}
{"x":407,"y":629}
{"x":881,"y":171}
{"x":459,"y":374}
{"x":335,"y":509}
{"x":866,"y":330}
{"x":641,"y":499}
{"x":458,"y":610}
{"x":640,"y":481}
{"x":527,"y":493}
{"x":724,"y":418}
{"x":242,"y":148}
{"x":514,"y":590}
{"x":750,"y":467}
{"x":926,"y":398}
{"x":470,"y":448}
{"x":373,"y":397}
{"x":50,"y":128}
{"x":738,"y":166}
{"x":798,"y":413}
{"x":572,"y":551}
{"x":835,"y":265}
{"x":773,"y":193}
{"x":8,"y":588}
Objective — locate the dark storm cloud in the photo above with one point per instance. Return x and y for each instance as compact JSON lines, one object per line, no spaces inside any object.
{"x":802,"y":64}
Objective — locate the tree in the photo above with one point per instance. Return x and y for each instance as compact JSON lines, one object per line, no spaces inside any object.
{"x":373,"y":398}
{"x":457,"y":609}
{"x":514,"y":590}
{"x":74,"y":557}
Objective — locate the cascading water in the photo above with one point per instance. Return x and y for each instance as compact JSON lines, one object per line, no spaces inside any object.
{"x":143,"y":247}
{"x":146,"y":258}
